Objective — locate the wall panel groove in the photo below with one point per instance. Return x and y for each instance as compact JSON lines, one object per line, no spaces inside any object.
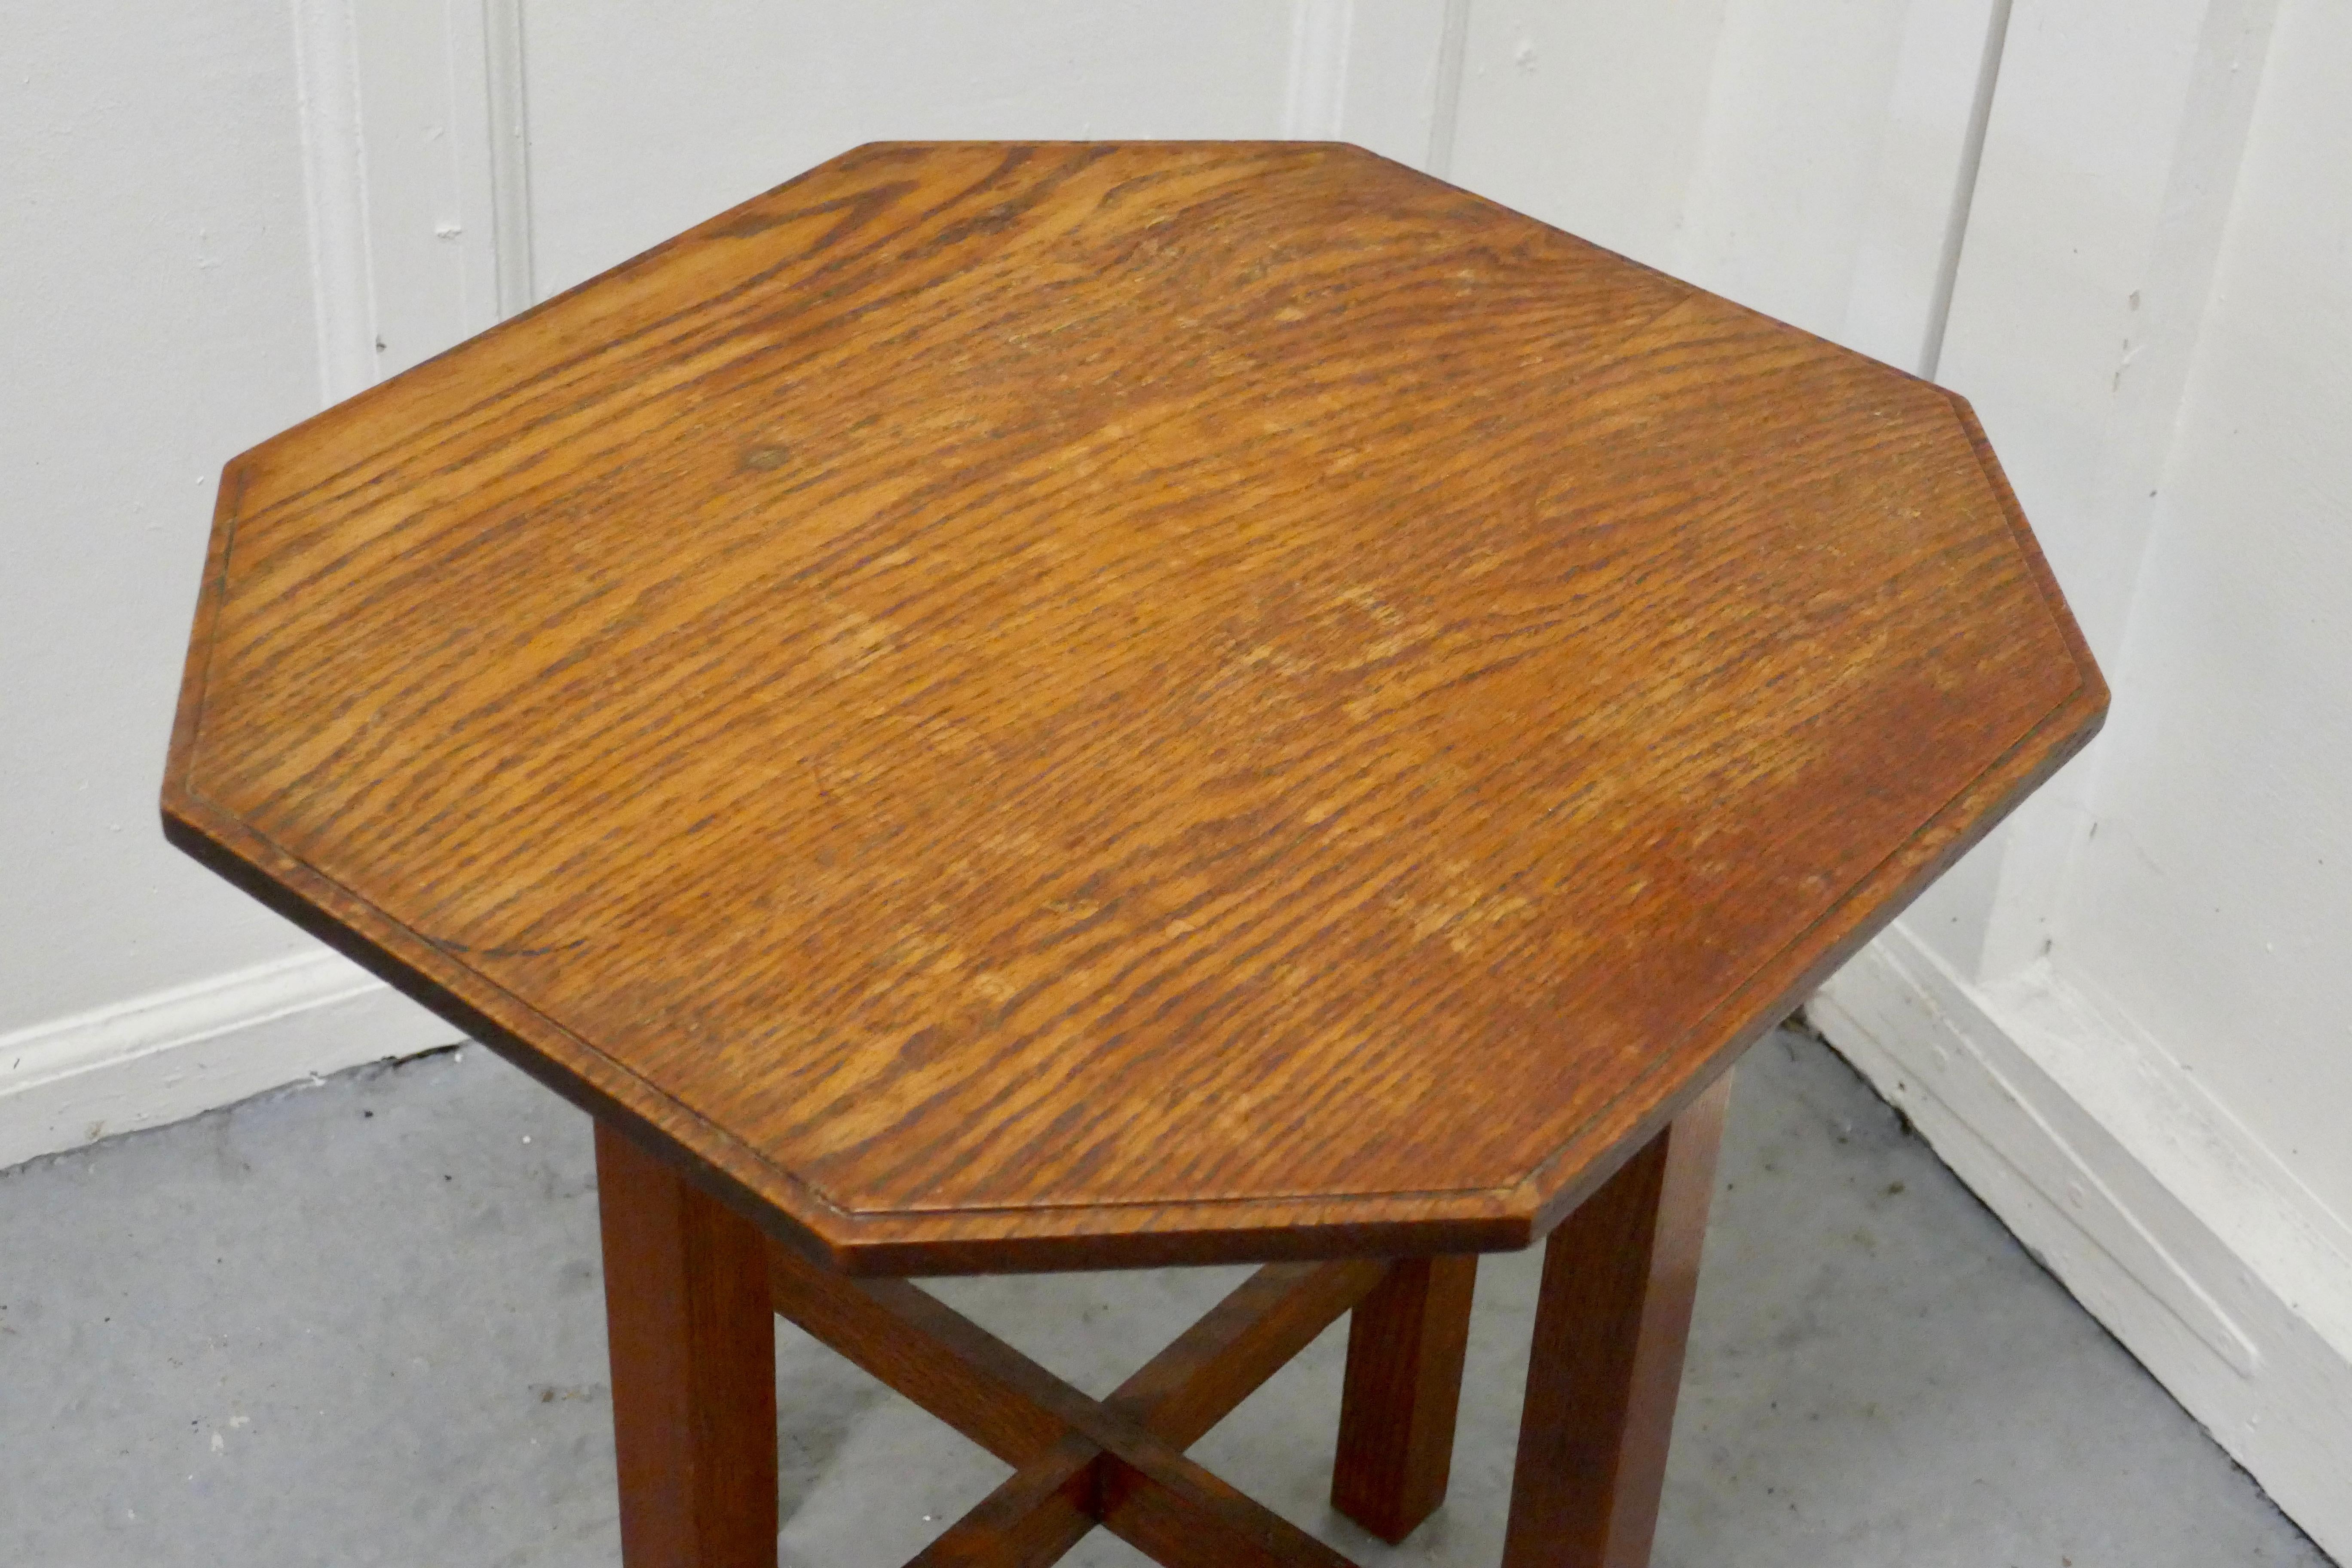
{"x":1316,"y":93}
{"x":326,"y":53}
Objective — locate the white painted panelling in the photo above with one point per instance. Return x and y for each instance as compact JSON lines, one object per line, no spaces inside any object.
{"x":474,"y":62}
{"x":504,"y":75}
{"x":1914,"y":213}
{"x":1445,"y":109}
{"x":1315,"y":97}
{"x":187,"y":269}
{"x":647,"y":116}
{"x":2215,"y":899}
{"x":2180,"y":1231}
{"x":2105,"y":184}
{"x":2122,"y":1017}
{"x":401,"y":165}
{"x":1395,"y":77}
{"x":334,"y":171}
{"x":1806,"y":159}
{"x":1788,"y":155}
{"x":155,"y":277}
{"x":424,"y":104}
{"x":1588,"y":115}
{"x":175,"y":1054}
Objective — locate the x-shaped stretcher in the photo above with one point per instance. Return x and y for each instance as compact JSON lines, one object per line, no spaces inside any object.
{"x":1078,"y":1462}
{"x":692,"y":1286}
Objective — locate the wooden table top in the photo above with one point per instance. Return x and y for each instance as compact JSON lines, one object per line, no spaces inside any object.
{"x":1036,"y":705}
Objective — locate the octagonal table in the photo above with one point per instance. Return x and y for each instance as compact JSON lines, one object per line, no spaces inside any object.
{"x":1035,"y":707}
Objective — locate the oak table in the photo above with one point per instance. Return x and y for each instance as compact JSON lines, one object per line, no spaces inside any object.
{"x":1083,"y":706}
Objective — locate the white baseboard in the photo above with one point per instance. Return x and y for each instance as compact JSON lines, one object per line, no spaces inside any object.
{"x":2229,"y":1280}
{"x":172,"y":1054}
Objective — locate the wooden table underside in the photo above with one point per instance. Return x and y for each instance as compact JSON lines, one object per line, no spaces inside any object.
{"x":690,"y":1285}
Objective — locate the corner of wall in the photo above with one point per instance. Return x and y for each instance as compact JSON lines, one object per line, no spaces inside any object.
{"x":172,"y":1054}
{"x":2146,"y":1201}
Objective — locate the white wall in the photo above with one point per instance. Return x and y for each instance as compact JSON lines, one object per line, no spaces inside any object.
{"x":2123,"y":1018}
{"x":156,"y":271}
{"x":1806,"y":159}
{"x":2122,"y":228}
{"x":156,"y":266}
{"x":647,"y":116}
{"x":650,"y":115}
{"x":2214,"y":901}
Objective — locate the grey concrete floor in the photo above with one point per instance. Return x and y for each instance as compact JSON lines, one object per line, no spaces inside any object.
{"x":359,"y":1324}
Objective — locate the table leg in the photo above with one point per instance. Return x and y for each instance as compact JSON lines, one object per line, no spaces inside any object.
{"x":1405,"y":1343}
{"x":1618,"y":1279}
{"x":694,"y":1379}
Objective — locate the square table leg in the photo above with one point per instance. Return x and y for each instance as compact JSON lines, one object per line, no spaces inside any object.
{"x":694,"y":1366}
{"x":1619,"y":1276}
{"x":1406,"y":1345}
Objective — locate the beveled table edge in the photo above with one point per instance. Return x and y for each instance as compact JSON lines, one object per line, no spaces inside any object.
{"x":1139,"y":1233}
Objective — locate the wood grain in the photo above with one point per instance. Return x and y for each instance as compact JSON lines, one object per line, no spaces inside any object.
{"x":908,"y":1339}
{"x":1205,"y":1372}
{"x":1142,"y":1487}
{"x":1612,"y":1320}
{"x":1406,"y":1345}
{"x":1041,"y":706}
{"x":692,"y":1343}
{"x":1033,"y":1518}
{"x":1049,"y":1504}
